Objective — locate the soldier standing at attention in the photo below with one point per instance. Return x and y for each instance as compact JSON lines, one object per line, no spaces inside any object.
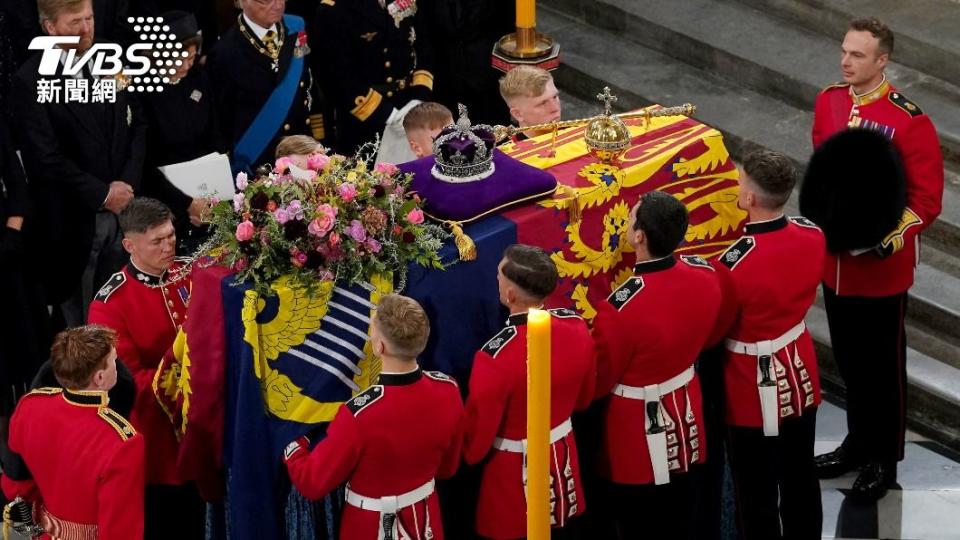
{"x":865,"y":294}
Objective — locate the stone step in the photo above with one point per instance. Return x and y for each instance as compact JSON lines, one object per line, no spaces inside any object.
{"x":925,"y":31}
{"x":640,"y":76}
{"x":933,"y":387}
{"x":757,"y":50}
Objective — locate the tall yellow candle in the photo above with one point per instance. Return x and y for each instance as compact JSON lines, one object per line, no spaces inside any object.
{"x":538,"y":425}
{"x":526,"y":13}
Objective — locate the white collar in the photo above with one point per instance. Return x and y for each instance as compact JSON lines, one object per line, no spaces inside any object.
{"x":258,"y":30}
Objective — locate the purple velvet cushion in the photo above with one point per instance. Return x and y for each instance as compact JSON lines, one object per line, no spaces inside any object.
{"x":512,"y":182}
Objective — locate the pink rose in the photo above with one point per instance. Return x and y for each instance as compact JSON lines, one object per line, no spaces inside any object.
{"x":326,"y":217}
{"x":372,"y":245}
{"x":299,"y":259}
{"x":244,"y":231}
{"x":415,"y":216}
{"x":281,"y":164}
{"x":347,"y":191}
{"x":316,"y":162}
{"x":356,"y":231}
{"x":241,"y":181}
{"x":281,"y":215}
{"x":334,"y":239}
{"x":388,"y":169}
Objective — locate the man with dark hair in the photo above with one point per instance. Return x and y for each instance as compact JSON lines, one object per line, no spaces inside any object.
{"x":84,"y":162}
{"x":145,"y":303}
{"x":496,"y":421}
{"x":81,"y":463}
{"x":649,"y":333}
{"x":865,"y":293}
{"x":408,"y":435}
{"x":770,"y":370}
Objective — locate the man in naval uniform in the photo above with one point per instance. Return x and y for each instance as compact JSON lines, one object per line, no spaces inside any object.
{"x":377,"y":62}
{"x":263,"y":85}
{"x":865,"y":294}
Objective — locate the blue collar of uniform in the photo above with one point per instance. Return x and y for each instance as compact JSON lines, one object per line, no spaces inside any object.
{"x":765,"y":226}
{"x":401,"y":379}
{"x":655,"y":265}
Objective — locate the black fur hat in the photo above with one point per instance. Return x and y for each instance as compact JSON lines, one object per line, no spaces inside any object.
{"x":854,"y":189}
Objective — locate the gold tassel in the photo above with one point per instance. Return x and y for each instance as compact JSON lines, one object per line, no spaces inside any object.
{"x":465,"y":244}
{"x":572,"y":202}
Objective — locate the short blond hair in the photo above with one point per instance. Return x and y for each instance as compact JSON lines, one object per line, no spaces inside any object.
{"x":403,"y":325}
{"x":524,"y":81}
{"x":296,"y":144}
{"x":427,"y":115}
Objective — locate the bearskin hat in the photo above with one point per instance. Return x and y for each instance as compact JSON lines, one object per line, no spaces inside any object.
{"x":854,"y":189}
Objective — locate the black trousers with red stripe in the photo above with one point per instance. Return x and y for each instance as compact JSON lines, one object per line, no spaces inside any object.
{"x":870,"y":348}
{"x":777,"y":491}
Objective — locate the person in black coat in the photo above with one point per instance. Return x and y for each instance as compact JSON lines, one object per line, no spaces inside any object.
{"x":247,"y":65}
{"x":374,"y":58}
{"x":84,"y":162}
{"x":463,"y":33}
{"x":183,"y":126}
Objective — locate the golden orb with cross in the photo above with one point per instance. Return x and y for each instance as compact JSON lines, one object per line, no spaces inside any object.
{"x":606,"y":135}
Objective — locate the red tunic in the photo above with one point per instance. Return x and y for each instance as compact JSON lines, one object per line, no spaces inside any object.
{"x":146,"y":318}
{"x":885,"y":109}
{"x":389,"y":440}
{"x":651,"y":329}
{"x":86,"y":462}
{"x":775,"y":268}
{"x":497,"y":408}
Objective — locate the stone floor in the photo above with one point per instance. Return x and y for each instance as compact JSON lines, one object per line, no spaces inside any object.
{"x":926,"y":505}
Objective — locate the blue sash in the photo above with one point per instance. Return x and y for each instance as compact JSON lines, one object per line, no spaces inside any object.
{"x":274,"y":111}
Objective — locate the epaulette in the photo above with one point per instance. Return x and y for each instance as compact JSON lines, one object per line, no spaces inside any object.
{"x":365,"y":398}
{"x":804,"y":222}
{"x":564,"y":313}
{"x":737,"y":252}
{"x":117,"y":422}
{"x":625,"y":292}
{"x":44,"y":391}
{"x":110,"y":286}
{"x":440,"y":376}
{"x":496,"y":343}
{"x":901,"y":101}
{"x":835,"y":85}
{"x":696,"y":260}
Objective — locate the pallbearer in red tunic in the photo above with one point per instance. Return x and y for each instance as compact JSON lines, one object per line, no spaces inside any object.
{"x":392,"y":441}
{"x":865,"y":293}
{"x":79,"y":463}
{"x":771,"y":376}
{"x":145,"y":303}
{"x":649,"y":334}
{"x":496,"y":423}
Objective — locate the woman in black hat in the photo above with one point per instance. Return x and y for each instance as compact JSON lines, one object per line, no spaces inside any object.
{"x":183,"y":126}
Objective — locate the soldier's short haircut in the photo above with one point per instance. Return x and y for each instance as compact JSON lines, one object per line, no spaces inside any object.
{"x":143,"y":213}
{"x":773,"y":175}
{"x":77,"y":353}
{"x":428,"y":115}
{"x":524,"y":81}
{"x":50,"y":9}
{"x":663,"y":219}
{"x":531,"y":269}
{"x":878,"y":30}
{"x":403,"y":324}
{"x":296,"y":144}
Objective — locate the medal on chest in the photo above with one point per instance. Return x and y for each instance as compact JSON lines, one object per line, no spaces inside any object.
{"x":400,"y":9}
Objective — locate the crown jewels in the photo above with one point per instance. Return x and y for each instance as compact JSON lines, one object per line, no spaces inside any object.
{"x":462,"y":152}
